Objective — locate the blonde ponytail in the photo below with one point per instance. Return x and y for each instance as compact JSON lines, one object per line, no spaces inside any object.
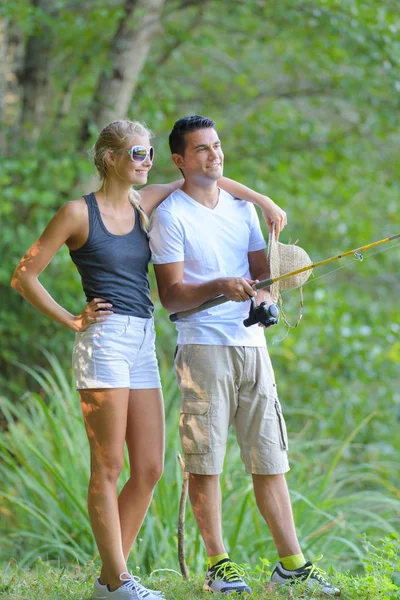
{"x":134,"y":199}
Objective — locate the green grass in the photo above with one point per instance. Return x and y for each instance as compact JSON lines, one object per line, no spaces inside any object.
{"x":337,"y":494}
{"x":49,"y":582}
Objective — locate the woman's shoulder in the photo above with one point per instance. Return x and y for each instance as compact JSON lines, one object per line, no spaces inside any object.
{"x":72,"y":217}
{"x":75,"y":208}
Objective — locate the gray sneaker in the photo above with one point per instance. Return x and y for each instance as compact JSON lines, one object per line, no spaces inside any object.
{"x":131,"y":589}
{"x":141,"y":587}
{"x":309,"y":574}
{"x":226,"y":577}
{"x":99,"y":590}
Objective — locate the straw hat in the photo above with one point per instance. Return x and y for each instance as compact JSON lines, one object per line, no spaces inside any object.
{"x":285,"y":258}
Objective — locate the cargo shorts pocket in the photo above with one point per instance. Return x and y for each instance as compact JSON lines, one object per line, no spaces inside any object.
{"x":194,"y":426}
{"x":282,"y":426}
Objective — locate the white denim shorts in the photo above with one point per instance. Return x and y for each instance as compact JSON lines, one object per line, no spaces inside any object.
{"x":118,"y":353}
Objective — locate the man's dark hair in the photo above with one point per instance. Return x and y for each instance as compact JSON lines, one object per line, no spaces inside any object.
{"x":177,"y":142}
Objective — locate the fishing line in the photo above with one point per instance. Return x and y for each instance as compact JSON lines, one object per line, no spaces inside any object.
{"x":357,"y":257}
{"x":357,"y":253}
{"x":349,"y":262}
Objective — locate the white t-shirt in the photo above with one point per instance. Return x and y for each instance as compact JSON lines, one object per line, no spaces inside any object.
{"x":212,"y":243}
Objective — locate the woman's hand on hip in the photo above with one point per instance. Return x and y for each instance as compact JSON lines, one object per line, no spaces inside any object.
{"x":95,"y":312}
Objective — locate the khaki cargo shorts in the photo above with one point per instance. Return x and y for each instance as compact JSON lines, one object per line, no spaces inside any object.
{"x":223,"y":386}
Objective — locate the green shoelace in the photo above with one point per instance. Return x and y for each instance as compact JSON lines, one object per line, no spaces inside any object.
{"x":229,"y":571}
{"x":316,"y":572}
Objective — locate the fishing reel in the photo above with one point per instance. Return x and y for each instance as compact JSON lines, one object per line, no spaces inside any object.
{"x":267,"y":315}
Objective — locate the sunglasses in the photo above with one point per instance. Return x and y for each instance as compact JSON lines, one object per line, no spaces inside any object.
{"x":140,"y":153}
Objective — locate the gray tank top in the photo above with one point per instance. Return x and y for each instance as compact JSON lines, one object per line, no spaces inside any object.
{"x":115,"y":267}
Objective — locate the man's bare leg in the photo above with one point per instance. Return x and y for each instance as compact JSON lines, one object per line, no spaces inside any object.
{"x":205,"y":498}
{"x":273,"y":501}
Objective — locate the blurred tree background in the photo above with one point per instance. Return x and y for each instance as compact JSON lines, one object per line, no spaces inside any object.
{"x":306,"y":96}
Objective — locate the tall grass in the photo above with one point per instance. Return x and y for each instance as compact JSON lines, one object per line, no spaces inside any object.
{"x":44,"y":467}
{"x":49,"y":582}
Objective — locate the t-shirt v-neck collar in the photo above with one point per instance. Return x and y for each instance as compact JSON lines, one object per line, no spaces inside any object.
{"x":192,"y":200}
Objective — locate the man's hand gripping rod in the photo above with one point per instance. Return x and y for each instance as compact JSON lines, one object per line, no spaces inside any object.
{"x":219,"y":300}
{"x":267,"y":282}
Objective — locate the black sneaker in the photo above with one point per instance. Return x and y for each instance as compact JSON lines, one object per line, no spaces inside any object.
{"x":226,"y":577}
{"x":308,"y":574}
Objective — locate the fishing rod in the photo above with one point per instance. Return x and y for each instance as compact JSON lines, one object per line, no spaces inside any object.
{"x":267,"y":282}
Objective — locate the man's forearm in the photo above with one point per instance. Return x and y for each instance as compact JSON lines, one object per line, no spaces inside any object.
{"x":185,"y":296}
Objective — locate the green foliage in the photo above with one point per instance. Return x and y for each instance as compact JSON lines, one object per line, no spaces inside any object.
{"x":50,"y":583}
{"x":44,"y":468}
{"x":307,"y":109}
{"x":382,"y":566}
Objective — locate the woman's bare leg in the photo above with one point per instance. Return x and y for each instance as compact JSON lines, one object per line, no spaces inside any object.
{"x":145,"y":441}
{"x":105,"y":413}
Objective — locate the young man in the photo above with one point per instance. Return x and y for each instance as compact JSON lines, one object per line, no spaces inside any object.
{"x":206,"y":243}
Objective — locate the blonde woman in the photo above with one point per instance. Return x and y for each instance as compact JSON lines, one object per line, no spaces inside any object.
{"x":114,"y":359}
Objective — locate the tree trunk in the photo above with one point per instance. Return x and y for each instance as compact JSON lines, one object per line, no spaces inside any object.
{"x":129,"y":49}
{"x":35,"y":79}
{"x":3,"y":84}
{"x":11,"y":57}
